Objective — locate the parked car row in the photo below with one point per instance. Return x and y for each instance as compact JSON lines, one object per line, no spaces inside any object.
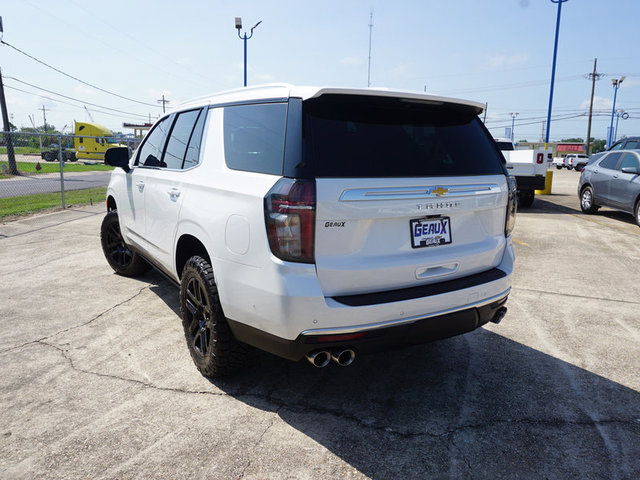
{"x":573,"y":161}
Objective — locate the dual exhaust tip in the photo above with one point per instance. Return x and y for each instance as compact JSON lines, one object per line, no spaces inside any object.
{"x":322,"y":358}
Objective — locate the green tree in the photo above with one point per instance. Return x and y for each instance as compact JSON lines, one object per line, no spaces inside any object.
{"x":597,"y":145}
{"x":572,"y":140}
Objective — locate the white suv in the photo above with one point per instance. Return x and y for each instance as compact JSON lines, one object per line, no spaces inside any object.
{"x":317,"y":222}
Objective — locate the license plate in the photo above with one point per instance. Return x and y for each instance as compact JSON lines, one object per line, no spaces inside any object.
{"x":430,"y":232}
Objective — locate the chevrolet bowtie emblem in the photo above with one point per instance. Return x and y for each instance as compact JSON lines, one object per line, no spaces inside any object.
{"x":440,"y":191}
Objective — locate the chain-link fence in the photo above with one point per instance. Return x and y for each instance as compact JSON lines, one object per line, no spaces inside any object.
{"x":41,"y":171}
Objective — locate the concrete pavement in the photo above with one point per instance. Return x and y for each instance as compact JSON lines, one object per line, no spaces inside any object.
{"x":96,"y":380}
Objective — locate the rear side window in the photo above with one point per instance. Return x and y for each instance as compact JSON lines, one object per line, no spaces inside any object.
{"x":610,"y":161}
{"x":254,"y":137}
{"x":180,"y":140}
{"x":629,"y":160}
{"x":360,"y":136}
{"x":632,"y":144}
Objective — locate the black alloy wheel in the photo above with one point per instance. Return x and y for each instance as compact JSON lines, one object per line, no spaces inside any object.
{"x":198,"y":315}
{"x":213,"y":348}
{"x":120,"y":257}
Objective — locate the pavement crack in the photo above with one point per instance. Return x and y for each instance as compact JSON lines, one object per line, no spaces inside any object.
{"x":140,"y":383}
{"x":586,"y":297}
{"x":302,"y":408}
{"x":84,"y":324}
{"x":259,"y":441}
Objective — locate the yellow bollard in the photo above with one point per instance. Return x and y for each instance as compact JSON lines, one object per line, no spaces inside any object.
{"x":547,"y":184}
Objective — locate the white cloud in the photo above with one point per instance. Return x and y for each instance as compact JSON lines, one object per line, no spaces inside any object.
{"x":402,"y":71}
{"x":85,"y":90}
{"x":265,"y":77}
{"x":630,"y":83}
{"x":599,"y":103}
{"x":351,"y":61}
{"x":500,"y":60}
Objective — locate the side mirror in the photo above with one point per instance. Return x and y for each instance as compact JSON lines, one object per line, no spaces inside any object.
{"x":117,"y":157}
{"x":631,"y":170}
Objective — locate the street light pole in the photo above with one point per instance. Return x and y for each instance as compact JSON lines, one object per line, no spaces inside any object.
{"x":245,"y":38}
{"x":553,"y":71}
{"x":616,"y":84}
{"x":513,"y":121}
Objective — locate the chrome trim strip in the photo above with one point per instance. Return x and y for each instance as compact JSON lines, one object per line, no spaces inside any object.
{"x":418,"y":192}
{"x":403,"y":321}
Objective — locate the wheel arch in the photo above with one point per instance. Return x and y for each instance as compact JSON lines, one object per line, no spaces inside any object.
{"x":111,"y":203}
{"x":585,"y":185}
{"x":187,"y":246}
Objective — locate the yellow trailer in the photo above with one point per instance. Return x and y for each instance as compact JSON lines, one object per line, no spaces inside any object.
{"x":93,"y":142}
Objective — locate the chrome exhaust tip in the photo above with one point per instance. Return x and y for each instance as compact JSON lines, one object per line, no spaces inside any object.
{"x":499,"y":315}
{"x":319,"y":359}
{"x":343,"y":357}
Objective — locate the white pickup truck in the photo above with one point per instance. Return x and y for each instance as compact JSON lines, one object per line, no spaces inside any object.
{"x":529,"y":167}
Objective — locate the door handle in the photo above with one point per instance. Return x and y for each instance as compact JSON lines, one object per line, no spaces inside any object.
{"x":140,"y":186}
{"x":615,"y":176}
{"x":174,"y":193}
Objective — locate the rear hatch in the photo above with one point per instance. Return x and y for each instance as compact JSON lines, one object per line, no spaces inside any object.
{"x":407,"y":193}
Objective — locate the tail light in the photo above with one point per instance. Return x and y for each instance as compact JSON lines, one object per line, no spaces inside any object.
{"x":510,"y":220}
{"x":540,"y":158}
{"x":290,"y":215}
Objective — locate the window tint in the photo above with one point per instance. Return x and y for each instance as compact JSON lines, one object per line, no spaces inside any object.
{"x":611,"y":160}
{"x":179,"y":139}
{"x":193,"y":150}
{"x":628,"y":160}
{"x":360,"y":136}
{"x":505,"y":146}
{"x":151,"y":150}
{"x":254,"y":137}
{"x":632,"y":144}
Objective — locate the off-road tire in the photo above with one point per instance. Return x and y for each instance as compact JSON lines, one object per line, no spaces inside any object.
{"x":121,"y":258}
{"x":587,"y":203}
{"x":211,"y":343}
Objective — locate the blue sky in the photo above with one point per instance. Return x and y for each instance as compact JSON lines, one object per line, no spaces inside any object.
{"x":494,"y":51}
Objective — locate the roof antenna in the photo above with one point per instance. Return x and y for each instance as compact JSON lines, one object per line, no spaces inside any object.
{"x":370,"y":30}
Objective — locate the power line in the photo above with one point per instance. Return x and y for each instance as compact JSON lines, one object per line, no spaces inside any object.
{"x":71,"y":104}
{"x":532,"y":83}
{"x":72,"y":98}
{"x":74,"y":78}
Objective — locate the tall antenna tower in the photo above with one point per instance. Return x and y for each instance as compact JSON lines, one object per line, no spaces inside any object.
{"x":370,"y":31}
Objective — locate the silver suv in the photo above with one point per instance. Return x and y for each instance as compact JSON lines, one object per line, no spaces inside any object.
{"x":317,"y":222}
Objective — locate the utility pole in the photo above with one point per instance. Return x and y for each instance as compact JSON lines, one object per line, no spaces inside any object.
{"x":33,"y":122}
{"x":44,"y":114}
{"x":163,"y":102}
{"x":486,"y":107}
{"x":369,"y":69}
{"x":13,"y":167}
{"x":593,"y":76}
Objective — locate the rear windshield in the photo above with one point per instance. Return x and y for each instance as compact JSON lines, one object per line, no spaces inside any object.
{"x":360,"y":136}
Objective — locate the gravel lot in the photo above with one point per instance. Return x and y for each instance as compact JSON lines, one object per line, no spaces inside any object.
{"x":96,"y":380}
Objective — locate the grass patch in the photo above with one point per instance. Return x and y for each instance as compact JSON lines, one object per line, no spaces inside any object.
{"x":30,"y":168}
{"x":27,"y":204}
{"x":21,"y":150}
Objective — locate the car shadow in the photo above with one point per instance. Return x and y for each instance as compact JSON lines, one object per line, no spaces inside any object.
{"x":473,"y":406}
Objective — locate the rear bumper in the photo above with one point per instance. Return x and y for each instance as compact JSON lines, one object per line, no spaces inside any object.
{"x":530,"y":183}
{"x":378,"y":336}
{"x":284,"y":310}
